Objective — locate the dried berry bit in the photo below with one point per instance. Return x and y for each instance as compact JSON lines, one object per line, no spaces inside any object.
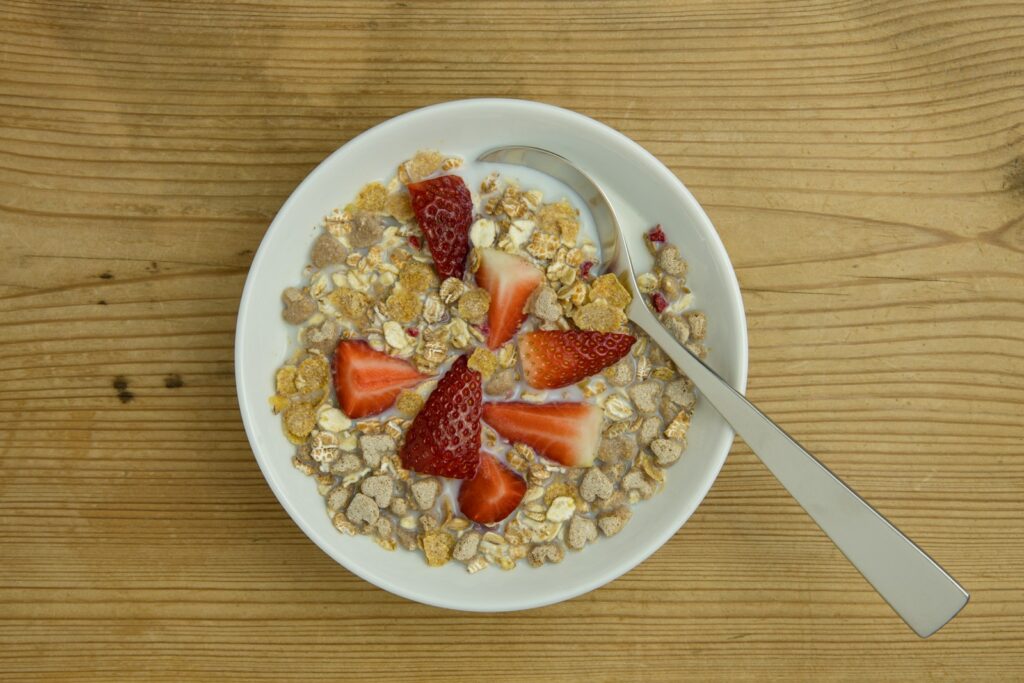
{"x":403,"y":306}
{"x":613,"y":522}
{"x":366,"y":229}
{"x":608,"y":288}
{"x":298,"y":306}
{"x":437,"y":547}
{"x":656,"y":234}
{"x":473,"y":305}
{"x":585,"y":269}
{"x":581,"y":531}
{"x":599,"y":317}
{"x":417,"y":277}
{"x":670,"y":261}
{"x":372,"y":197}
{"x":659,"y":302}
{"x":548,"y":552}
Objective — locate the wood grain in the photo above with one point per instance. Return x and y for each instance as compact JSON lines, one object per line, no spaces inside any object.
{"x":863,"y":161}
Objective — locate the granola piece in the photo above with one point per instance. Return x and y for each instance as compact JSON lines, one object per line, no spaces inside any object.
{"x":342,"y":524}
{"x":671,"y":287}
{"x":403,"y":306}
{"x":613,"y":522}
{"x":473,"y":305}
{"x":483,"y":232}
{"x":366,"y":228}
{"x":313,"y":373}
{"x":645,"y":396}
{"x":680,"y":393}
{"x":547,"y":552}
{"x":424,"y":163}
{"x":670,"y":261}
{"x":646,"y":282}
{"x":407,"y":538}
{"x":434,"y":310}
{"x":399,"y":507}
{"x":608,"y":288}
{"x":465,"y":547}
{"x":650,"y":429}
{"x":371,"y":197}
{"x":476,"y":564}
{"x":698,"y":323}
{"x":327,"y":251}
{"x":617,"y":449}
{"x":636,"y":480}
{"x":519,"y":232}
{"x":697,"y":349}
{"x":374,"y":447}
{"x":284,"y":380}
{"x":679,"y":425}
{"x":337,"y":498}
{"x":299,"y":420}
{"x":323,"y":447}
{"x":595,"y":484}
{"x":384,"y":533}
{"x":582,"y":530}
{"x":323,"y":338}
{"x":512,"y":203}
{"x":502,"y":383}
{"x":545,"y":305}
{"x":380,"y":487}
{"x":560,"y":218}
{"x":362,"y":509}
{"x":617,"y":408}
{"x":350,"y":303}
{"x":667,"y":451}
{"x":437,"y":547}
{"x":599,"y":316}
{"x":346,"y":464}
{"x":561,"y":509}
{"x":621,"y":374}
{"x":298,"y":306}
{"x":399,"y":206}
{"x":417,"y":277}
{"x":507,"y":355}
{"x":409,"y":402}
{"x":451,"y":289}
{"x":425,"y":492}
{"x":484,"y":362}
{"x":542,"y":245}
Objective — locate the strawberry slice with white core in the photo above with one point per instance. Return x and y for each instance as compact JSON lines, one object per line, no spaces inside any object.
{"x":368,"y":382}
{"x":568,"y":433}
{"x":510,"y":280}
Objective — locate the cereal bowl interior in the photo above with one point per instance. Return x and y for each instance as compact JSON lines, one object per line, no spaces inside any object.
{"x":643,"y":192}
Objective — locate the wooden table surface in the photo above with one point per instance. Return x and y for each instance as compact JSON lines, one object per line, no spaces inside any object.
{"x":863,"y":161}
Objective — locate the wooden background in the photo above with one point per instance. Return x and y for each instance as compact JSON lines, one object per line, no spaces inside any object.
{"x":862,"y":159}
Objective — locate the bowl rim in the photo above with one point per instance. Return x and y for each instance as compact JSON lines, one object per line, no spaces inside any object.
{"x":246,"y":410}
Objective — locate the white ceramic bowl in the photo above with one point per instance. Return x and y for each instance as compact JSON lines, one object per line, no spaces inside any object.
{"x":643,"y":191}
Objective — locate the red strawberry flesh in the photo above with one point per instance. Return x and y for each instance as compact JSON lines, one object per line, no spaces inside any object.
{"x":557,"y":358}
{"x":568,"y":433}
{"x":444,"y":438}
{"x":510,"y":280}
{"x":368,"y":382}
{"x":444,"y":209}
{"x":493,"y":494}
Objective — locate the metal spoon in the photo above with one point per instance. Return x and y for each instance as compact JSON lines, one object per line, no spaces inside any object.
{"x":920,"y":591}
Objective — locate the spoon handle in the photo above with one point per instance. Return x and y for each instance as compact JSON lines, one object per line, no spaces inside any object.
{"x":913,"y":584}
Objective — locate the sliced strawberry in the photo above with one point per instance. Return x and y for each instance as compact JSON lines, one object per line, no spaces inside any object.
{"x":493,"y":494}
{"x":568,"y":433}
{"x":444,"y":438}
{"x":444,"y":209}
{"x":510,"y":280}
{"x":557,"y":358}
{"x":368,"y":382}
